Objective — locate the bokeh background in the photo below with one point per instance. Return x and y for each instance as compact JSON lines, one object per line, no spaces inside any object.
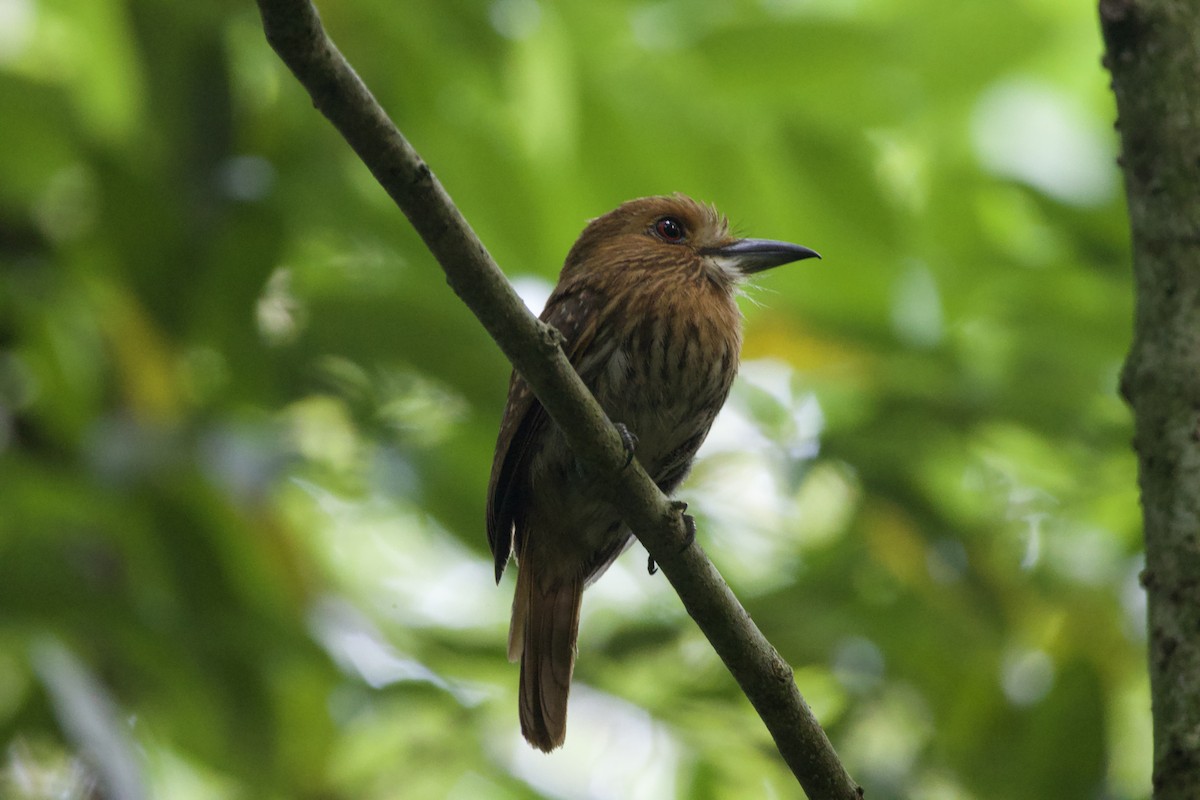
{"x":245,"y":427}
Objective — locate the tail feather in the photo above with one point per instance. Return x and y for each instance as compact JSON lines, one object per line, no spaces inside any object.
{"x":545,"y":625}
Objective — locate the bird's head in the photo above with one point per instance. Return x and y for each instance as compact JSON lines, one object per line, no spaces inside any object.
{"x":675,"y":232}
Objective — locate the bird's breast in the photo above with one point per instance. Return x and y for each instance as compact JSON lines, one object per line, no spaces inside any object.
{"x":665,"y":378}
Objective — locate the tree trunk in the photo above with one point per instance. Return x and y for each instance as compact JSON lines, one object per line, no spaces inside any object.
{"x":1153,"y":54}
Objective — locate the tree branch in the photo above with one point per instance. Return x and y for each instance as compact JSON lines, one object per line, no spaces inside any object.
{"x":1154,"y":60}
{"x":294,"y":31}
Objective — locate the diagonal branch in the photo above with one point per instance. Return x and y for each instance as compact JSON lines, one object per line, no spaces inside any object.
{"x":294,"y":30}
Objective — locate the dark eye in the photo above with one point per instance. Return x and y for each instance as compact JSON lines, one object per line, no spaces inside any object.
{"x":669,"y":229}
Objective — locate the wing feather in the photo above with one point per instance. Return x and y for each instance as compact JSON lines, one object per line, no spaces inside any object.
{"x":571,"y":310}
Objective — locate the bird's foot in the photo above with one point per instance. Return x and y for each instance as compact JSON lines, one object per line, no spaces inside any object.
{"x":628,"y":440}
{"x":689,"y":531}
{"x":689,"y":524}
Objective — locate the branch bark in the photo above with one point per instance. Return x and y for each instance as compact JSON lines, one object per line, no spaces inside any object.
{"x":1153,"y":55}
{"x":294,"y":30}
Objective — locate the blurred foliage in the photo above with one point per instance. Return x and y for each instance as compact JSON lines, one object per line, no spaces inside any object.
{"x":245,"y":428}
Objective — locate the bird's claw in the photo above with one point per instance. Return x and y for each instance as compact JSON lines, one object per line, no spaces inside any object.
{"x":689,"y":532}
{"x":689,"y":524}
{"x":629,"y":441}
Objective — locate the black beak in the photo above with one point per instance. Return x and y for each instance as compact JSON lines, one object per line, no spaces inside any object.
{"x":749,"y":256}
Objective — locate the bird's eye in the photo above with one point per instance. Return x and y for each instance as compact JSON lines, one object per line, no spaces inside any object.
{"x":669,"y":229}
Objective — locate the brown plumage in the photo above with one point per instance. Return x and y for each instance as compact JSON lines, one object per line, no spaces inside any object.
{"x":645,"y":303}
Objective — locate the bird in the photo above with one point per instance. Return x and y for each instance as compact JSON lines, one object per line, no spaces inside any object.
{"x":646,"y":307}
